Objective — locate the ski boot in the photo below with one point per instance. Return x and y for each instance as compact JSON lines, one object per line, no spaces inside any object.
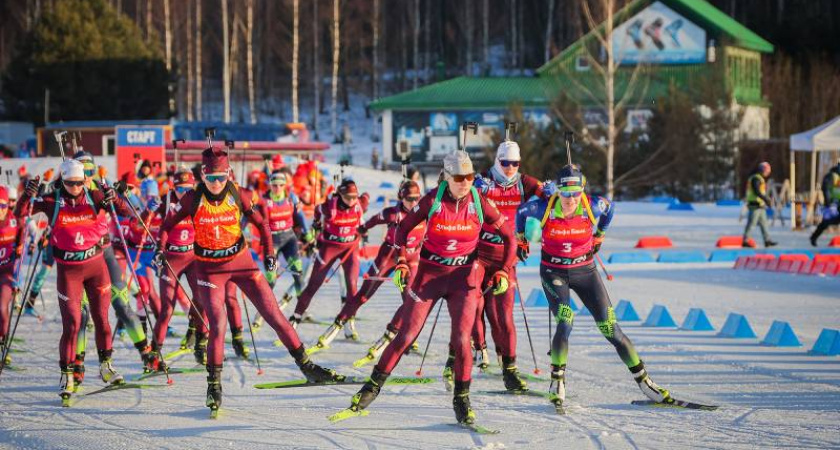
{"x":65,"y":385}
{"x":448,"y":377}
{"x":8,"y":359}
{"x":482,"y":359}
{"x":189,"y":339}
{"x":313,"y":372}
{"x":239,"y":346}
{"x":325,"y":339}
{"x":350,"y":330}
{"x":770,"y":243}
{"x":295,"y":320}
{"x":106,"y":370}
{"x":461,"y":403}
{"x":747,"y":244}
{"x":510,"y":375}
{"x":557,"y":388}
{"x":648,"y":387}
{"x":155,"y":360}
{"x":257,"y":323}
{"x":200,"y":349}
{"x":214,"y":389}
{"x":376,"y":349}
{"x":79,"y":370}
{"x":29,"y":311}
{"x":284,"y":302}
{"x":813,"y":239}
{"x":369,"y":391}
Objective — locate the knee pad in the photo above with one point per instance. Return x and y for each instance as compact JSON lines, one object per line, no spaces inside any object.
{"x":565,"y":314}
{"x":271,"y":277}
{"x":607,"y":327}
{"x":295,"y":264}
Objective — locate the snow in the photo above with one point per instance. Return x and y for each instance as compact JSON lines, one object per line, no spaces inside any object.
{"x":769,"y":397}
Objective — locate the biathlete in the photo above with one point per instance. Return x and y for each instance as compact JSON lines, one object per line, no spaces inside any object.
{"x":455,"y":214}
{"x":573,"y":228}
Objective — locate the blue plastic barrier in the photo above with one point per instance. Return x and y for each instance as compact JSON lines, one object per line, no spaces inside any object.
{"x":662,"y":199}
{"x":682,"y":256}
{"x":737,"y":326}
{"x":676,"y":205}
{"x":828,"y":343}
{"x":625,"y":312}
{"x":659,"y":317}
{"x":729,"y":255}
{"x":729,"y":203}
{"x":536,"y":298}
{"x":380,"y":199}
{"x":781,"y":335}
{"x":386,"y":185}
{"x":697,"y":320}
{"x":631,"y":257}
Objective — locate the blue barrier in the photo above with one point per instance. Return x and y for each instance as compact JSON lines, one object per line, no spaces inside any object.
{"x":682,"y":256}
{"x":386,"y":185}
{"x":829,"y":251}
{"x":737,"y":326}
{"x":728,"y":203}
{"x":364,"y":266}
{"x":625,"y":312}
{"x":516,"y":298}
{"x":583,"y":311}
{"x":532,"y":261}
{"x":697,"y":320}
{"x":659,"y":317}
{"x":631,"y":257}
{"x":380,"y":199}
{"x":776,"y":252}
{"x":828,"y":343}
{"x":729,"y":255}
{"x":676,"y":205}
{"x":781,"y":335}
{"x":662,"y":199}
{"x":536,"y":298}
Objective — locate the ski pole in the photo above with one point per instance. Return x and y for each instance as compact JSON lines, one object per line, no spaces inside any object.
{"x":115,"y":218}
{"x":165,"y":262}
{"x":603,"y":267}
{"x":419,"y":372}
{"x":527,"y":328}
{"x":12,"y":331}
{"x":251,"y":330}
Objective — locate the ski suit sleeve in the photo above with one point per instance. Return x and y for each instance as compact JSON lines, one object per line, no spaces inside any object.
{"x":533,"y":208}
{"x":119,"y":203}
{"x":531,"y":187}
{"x":602,"y":209}
{"x":755,"y":186}
{"x":384,"y":216}
{"x":493,"y":217}
{"x":256,"y":218}
{"x":419,"y":213}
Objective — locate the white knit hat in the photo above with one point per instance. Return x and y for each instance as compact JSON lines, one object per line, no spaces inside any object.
{"x":71,"y":169}
{"x":458,"y":163}
{"x":508,"y":151}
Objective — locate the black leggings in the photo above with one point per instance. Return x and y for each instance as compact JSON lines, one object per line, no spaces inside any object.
{"x":589,"y":287}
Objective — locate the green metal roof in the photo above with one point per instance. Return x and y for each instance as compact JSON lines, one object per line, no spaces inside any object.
{"x":717,"y":23}
{"x":470,"y":93}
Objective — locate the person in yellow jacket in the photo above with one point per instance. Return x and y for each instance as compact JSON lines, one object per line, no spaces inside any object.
{"x":757,"y":204}
{"x":831,"y":202}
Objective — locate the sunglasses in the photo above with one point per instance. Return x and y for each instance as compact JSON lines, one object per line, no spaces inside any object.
{"x":219,"y":178}
{"x":183,"y":189}
{"x":278,"y":183}
{"x":4,"y":205}
{"x":506,"y":163}
{"x":462,"y":178}
{"x":412,"y":199}
{"x":571,"y":194}
{"x":90,"y":173}
{"x":69,"y":183}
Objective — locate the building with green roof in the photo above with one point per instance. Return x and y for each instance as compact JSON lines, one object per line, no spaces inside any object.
{"x":675,"y":42}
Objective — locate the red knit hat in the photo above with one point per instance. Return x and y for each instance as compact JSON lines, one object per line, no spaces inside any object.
{"x":4,"y":195}
{"x":348,"y":187}
{"x":214,"y":160}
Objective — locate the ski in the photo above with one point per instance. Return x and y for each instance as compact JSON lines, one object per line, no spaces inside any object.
{"x":524,"y":392}
{"x":312,"y":321}
{"x":176,"y":353}
{"x":347,"y":414}
{"x":558,"y":404}
{"x":475,"y":428}
{"x":316,"y":348}
{"x":527,"y":376}
{"x":675,"y":403}
{"x":363,"y":361}
{"x":117,"y":387}
{"x":147,"y":375}
{"x":348,"y":380}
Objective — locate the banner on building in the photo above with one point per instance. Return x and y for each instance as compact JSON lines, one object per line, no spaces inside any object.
{"x":659,"y":35}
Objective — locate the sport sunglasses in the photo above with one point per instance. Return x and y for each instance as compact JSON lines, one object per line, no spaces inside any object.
{"x":69,"y":183}
{"x":506,"y":163}
{"x":218,"y":178}
{"x":571,"y":194}
{"x":462,"y":178}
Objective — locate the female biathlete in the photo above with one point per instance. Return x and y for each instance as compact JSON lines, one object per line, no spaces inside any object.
{"x":78,"y":238}
{"x":573,"y":228}
{"x":11,"y":247}
{"x":383,"y":265}
{"x":221,"y":255}
{"x":455,"y":214}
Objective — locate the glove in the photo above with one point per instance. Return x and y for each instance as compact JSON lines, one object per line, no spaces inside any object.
{"x":363,"y":232}
{"x":32,"y":187}
{"x":549,"y":188}
{"x":401,"y":274}
{"x":270,"y":263}
{"x":500,"y":282}
{"x":481,"y":184}
{"x":159,"y":262}
{"x":110,"y":196}
{"x":523,"y":247}
{"x":122,"y":187}
{"x":153,"y":204}
{"x":597,"y":240}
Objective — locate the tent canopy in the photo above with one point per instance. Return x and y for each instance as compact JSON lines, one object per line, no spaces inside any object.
{"x":825,"y":137}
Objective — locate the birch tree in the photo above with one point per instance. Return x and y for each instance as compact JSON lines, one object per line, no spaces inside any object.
{"x":316,"y":55}
{"x":295,"y":48}
{"x":199,"y":114}
{"x":249,"y":43}
{"x":335,"y":60}
{"x":225,"y":61}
